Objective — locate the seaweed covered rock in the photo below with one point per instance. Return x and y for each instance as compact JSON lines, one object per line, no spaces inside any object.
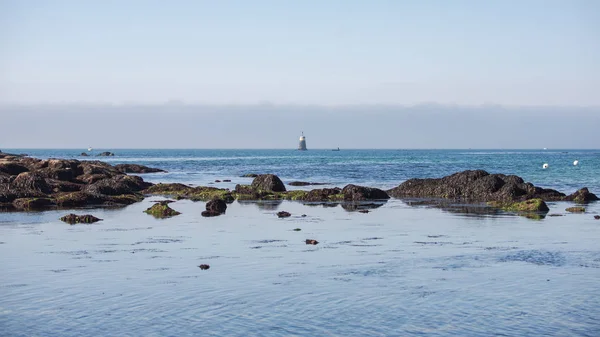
{"x":117,"y":185}
{"x":530,"y":205}
{"x":268,"y":182}
{"x":575,"y":209}
{"x":357,"y":193}
{"x":161,"y":210}
{"x":135,"y":168}
{"x":475,"y":186}
{"x":73,"y":219}
{"x":323,"y":194}
{"x":181,"y":191}
{"x":582,"y":196}
{"x":26,"y":204}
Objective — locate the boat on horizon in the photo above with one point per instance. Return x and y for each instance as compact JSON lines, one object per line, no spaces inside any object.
{"x":336,"y":149}
{"x":89,"y":149}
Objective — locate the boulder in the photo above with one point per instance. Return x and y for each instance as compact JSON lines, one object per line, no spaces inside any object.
{"x":161,"y":210}
{"x":31,"y":183}
{"x":117,"y":185}
{"x":323,"y":194}
{"x":268,"y":182}
{"x":217,"y":206}
{"x":83,"y":154}
{"x":135,"y":168}
{"x":204,"y":266}
{"x":12,"y":169}
{"x":311,"y":242}
{"x":582,"y":196}
{"x":357,"y":193}
{"x":284,"y":214}
{"x":105,"y":154}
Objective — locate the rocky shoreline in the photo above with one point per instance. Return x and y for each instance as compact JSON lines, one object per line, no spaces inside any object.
{"x":34,"y":184}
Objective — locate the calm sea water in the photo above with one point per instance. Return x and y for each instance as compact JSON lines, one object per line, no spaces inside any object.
{"x":399,"y":270}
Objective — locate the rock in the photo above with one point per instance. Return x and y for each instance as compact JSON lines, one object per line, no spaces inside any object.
{"x":268,"y":182}
{"x":597,"y":217}
{"x":226,"y":180}
{"x":582,"y":196}
{"x":531,"y":205}
{"x":210,"y":213}
{"x":297,"y":229}
{"x":284,"y":214}
{"x":135,"y":168}
{"x":304,"y":183}
{"x":357,"y":193}
{"x":105,"y":154}
{"x":311,"y":242}
{"x":161,"y":210}
{"x":363,"y":211}
{"x":250,"y":175}
{"x":216,"y":206}
{"x":204,"y":266}
{"x":475,"y":186}
{"x":324,"y":194}
{"x":556,"y":214}
{"x":12,"y":169}
{"x":83,"y":154}
{"x":575,"y":209}
{"x":73,"y":219}
{"x":26,"y":204}
{"x":217,"y":181}
{"x":117,"y":185}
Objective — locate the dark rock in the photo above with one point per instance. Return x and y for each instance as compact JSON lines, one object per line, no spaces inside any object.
{"x":529,"y":205}
{"x":363,"y":211}
{"x":244,"y":189}
{"x":73,"y":219}
{"x":297,"y":229}
{"x":105,"y":154}
{"x":226,"y":180}
{"x":216,"y":206}
{"x":474,"y":186}
{"x":12,"y":169}
{"x":582,"y":196}
{"x":284,"y":214}
{"x":268,"y":182}
{"x":575,"y":209}
{"x":210,"y":213}
{"x":204,"y":266}
{"x":161,"y":210}
{"x":311,"y":242}
{"x":135,"y":168}
{"x":117,"y":185}
{"x":83,"y":154}
{"x":556,"y":214}
{"x":31,"y":183}
{"x":217,"y":181}
{"x":323,"y":194}
{"x":597,"y":217}
{"x":31,"y":203}
{"x":250,"y":175}
{"x":357,"y":193}
{"x":304,"y":183}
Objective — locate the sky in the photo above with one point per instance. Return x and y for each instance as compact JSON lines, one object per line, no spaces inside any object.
{"x":309,"y":52}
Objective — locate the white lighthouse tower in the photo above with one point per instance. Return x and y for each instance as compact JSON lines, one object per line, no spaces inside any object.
{"x":302,"y":145}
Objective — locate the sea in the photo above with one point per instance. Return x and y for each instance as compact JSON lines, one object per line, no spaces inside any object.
{"x":403,"y":269}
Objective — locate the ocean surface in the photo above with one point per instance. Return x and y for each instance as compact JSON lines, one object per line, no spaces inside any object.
{"x":399,"y":270}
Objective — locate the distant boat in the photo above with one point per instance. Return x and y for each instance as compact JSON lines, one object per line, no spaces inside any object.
{"x":89,"y":149}
{"x":336,"y":149}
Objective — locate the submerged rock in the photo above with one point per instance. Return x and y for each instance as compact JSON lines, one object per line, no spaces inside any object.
{"x":210,"y":213}
{"x":204,"y":266}
{"x":304,"y":183}
{"x":531,"y":205}
{"x":284,"y":214}
{"x":575,"y":209}
{"x":161,"y":210}
{"x":83,"y":154}
{"x":311,"y":242}
{"x":597,"y":217}
{"x":135,"y":168}
{"x":216,"y":206}
{"x":73,"y":218}
{"x":105,"y":154}
{"x":268,"y":182}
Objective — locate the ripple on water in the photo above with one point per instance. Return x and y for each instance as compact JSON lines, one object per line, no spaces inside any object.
{"x":538,"y":257}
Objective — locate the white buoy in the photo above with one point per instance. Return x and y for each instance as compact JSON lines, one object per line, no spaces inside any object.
{"x":545,"y":166}
{"x":575,"y":163}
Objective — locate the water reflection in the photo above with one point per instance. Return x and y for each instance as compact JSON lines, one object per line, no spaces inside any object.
{"x":456,"y":207}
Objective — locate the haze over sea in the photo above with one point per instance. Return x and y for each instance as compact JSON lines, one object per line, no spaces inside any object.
{"x":399,"y":270}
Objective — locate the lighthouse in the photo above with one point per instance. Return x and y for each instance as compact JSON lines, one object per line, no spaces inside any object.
{"x":302,"y":144}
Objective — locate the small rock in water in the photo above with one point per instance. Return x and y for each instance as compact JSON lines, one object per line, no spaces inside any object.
{"x":226,"y":180}
{"x":575,"y":209}
{"x":297,"y":229}
{"x":556,"y":214}
{"x":303,"y":215}
{"x":204,"y":266}
{"x":210,"y":213}
{"x":597,"y":217}
{"x":363,"y":210}
{"x":284,"y":214}
{"x":73,"y":219}
{"x":311,"y":242}
{"x":217,"y":181}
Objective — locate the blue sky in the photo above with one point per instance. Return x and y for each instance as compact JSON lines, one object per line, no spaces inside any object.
{"x":301,"y":52}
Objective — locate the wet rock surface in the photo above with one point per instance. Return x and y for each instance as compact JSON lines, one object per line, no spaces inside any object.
{"x":575,"y":209}
{"x":105,"y":154}
{"x":311,"y":242}
{"x":217,"y":206}
{"x":73,"y":219}
{"x":268,"y":182}
{"x":284,"y":214}
{"x":204,"y":266}
{"x":135,"y":168}
{"x":480,"y":186}
{"x":161,"y":210}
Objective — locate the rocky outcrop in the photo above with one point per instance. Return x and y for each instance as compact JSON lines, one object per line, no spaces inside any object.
{"x":268,"y":182}
{"x":475,"y":186}
{"x":582,"y":196}
{"x":30,"y":183}
{"x":530,"y":205}
{"x":83,"y":154}
{"x":105,"y":154}
{"x":323,"y":194}
{"x":135,"y":168}
{"x":359,"y":193}
{"x":217,"y":206}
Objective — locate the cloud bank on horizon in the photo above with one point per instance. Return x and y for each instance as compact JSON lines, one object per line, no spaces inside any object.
{"x":536,"y":52}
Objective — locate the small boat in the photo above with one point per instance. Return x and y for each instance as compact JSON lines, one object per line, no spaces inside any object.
{"x":336,"y":149}
{"x":89,"y":149}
